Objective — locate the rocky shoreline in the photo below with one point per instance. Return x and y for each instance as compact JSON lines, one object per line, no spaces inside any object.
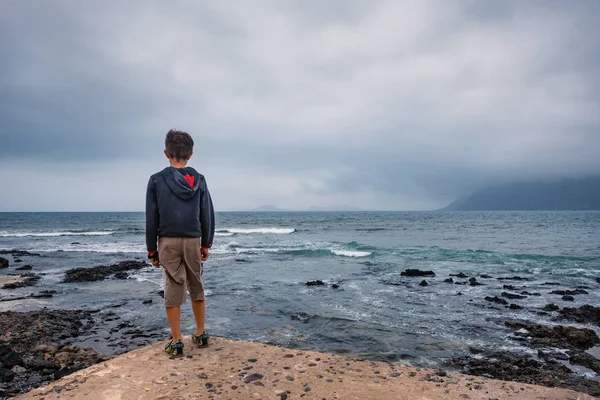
{"x":38,"y":347}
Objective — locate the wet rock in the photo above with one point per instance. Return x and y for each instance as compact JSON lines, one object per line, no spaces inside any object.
{"x":44,"y":294}
{"x":460,"y":275}
{"x":29,"y":279}
{"x":149,"y":301}
{"x":473,"y":282}
{"x":315,"y":283}
{"x":423,"y":283}
{"x":597,"y":280}
{"x":9,"y":358}
{"x":496,"y":300}
{"x":101,"y":272}
{"x":335,"y":286}
{"x":121,"y":275}
{"x":512,"y":278}
{"x":416,"y":273}
{"x":520,"y":368}
{"x":569,"y":292}
{"x":75,"y":243}
{"x":509,"y":287}
{"x":483,"y":276}
{"x":515,"y":307}
{"x":301,"y":316}
{"x":551,"y":307}
{"x":19,"y":253}
{"x":568,"y":298}
{"x":585,"y":314}
{"x":449,"y":280}
{"x":585,"y":360}
{"x":3,"y":263}
{"x":513,"y":296}
{"x":30,"y":343}
{"x":565,"y":337}
{"x":24,"y":268}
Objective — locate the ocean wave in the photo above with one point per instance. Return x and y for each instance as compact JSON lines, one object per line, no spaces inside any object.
{"x":351,"y":253}
{"x":304,"y":252}
{"x":54,"y":234}
{"x":277,"y":231}
{"x":224,"y":234}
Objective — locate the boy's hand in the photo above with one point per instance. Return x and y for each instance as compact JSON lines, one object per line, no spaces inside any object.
{"x":155,"y":262}
{"x":205,"y":252}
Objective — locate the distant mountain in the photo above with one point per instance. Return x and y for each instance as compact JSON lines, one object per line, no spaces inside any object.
{"x":267,"y":208}
{"x":568,"y":194}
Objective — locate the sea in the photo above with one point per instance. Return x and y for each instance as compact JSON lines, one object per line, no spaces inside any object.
{"x":256,"y":278}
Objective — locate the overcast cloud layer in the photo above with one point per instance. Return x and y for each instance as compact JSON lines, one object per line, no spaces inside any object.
{"x":373,"y":104}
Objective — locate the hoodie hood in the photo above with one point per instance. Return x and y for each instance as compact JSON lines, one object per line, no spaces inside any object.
{"x":183,"y":182}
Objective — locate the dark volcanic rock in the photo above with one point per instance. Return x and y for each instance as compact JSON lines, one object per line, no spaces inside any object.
{"x":423,"y":283}
{"x":449,"y":280}
{"x":515,"y":307}
{"x":101,"y":272}
{"x":19,"y":253}
{"x":551,"y":307}
{"x":473,"y":282}
{"x":512,"y":278}
{"x":416,"y":272}
{"x":460,"y":275}
{"x":509,"y":287}
{"x":121,"y":275}
{"x":569,"y":292}
{"x":585,"y":314}
{"x":565,"y":337}
{"x":597,"y":280}
{"x":29,"y":280}
{"x":335,"y":286}
{"x":585,"y":360}
{"x":24,"y":268}
{"x":31,"y":340}
{"x":315,"y":283}
{"x":513,"y":296}
{"x":568,"y":298}
{"x":3,"y":263}
{"x":497,"y":300}
{"x":483,"y":276}
{"x":520,"y":368}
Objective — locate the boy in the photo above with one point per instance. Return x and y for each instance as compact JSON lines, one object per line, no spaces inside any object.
{"x":180,"y":216}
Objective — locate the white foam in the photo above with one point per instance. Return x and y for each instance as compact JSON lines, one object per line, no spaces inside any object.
{"x":277,"y":231}
{"x":351,"y":253}
{"x":54,"y":234}
{"x":224,"y":233}
{"x":93,"y":248}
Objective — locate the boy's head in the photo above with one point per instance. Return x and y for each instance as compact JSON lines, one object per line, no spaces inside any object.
{"x":179,"y":145}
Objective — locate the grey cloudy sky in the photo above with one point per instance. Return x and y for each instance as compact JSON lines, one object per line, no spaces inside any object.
{"x":373,"y":104}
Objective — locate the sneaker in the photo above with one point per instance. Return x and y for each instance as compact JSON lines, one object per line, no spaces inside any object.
{"x":174,"y":349}
{"x":201,"y":340}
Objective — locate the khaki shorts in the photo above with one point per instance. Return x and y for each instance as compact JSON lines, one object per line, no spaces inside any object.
{"x":181,"y":261}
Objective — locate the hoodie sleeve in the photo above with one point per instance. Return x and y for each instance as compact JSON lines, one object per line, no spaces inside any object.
{"x":152,"y":216}
{"x":207,"y":216}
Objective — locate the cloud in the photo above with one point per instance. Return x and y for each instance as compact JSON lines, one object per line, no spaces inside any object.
{"x":385,"y":105}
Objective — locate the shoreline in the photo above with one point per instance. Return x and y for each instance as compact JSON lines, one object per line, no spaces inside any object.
{"x":52,"y":356}
{"x":244,"y":370}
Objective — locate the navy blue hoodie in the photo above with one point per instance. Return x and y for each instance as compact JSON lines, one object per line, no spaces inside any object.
{"x":178,"y":204}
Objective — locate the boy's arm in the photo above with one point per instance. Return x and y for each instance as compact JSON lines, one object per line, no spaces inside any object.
{"x":207,"y":217}
{"x":152,"y":217}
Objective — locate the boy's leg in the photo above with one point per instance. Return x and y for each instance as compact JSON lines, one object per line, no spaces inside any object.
{"x":199,"y":308}
{"x":174,"y":317}
{"x":193,"y":262}
{"x":171,"y":257}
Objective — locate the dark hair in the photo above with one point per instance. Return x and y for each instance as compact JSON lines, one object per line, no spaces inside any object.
{"x":179,"y":144}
